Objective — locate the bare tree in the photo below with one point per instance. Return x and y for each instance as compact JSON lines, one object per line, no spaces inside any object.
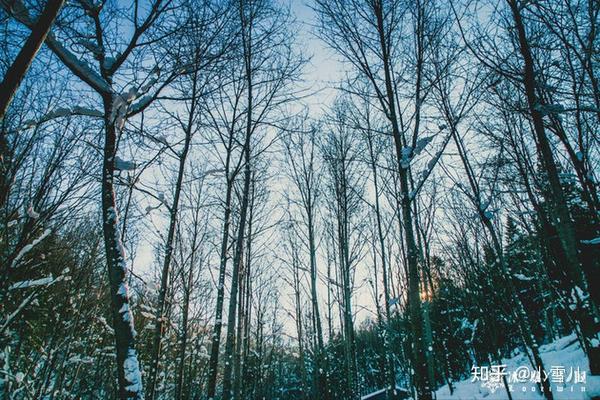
{"x":205,"y":45}
{"x":339,"y":149}
{"x":117,"y":107}
{"x":269,"y":69}
{"x":366,"y":122}
{"x":366,"y":35}
{"x":304,"y":173}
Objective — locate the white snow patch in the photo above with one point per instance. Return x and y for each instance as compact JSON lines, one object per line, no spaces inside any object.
{"x":147,"y":315}
{"x":122,"y":290}
{"x":32,"y":213}
{"x":564,"y":352}
{"x":522,"y":277}
{"x":28,"y":248}
{"x":80,"y":360}
{"x":382,"y":391}
{"x":33,"y":283}
{"x":592,"y":241}
{"x":124,"y":308}
{"x":132,"y":372}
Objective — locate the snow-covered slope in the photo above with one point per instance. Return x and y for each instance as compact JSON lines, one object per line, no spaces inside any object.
{"x":562,"y":353}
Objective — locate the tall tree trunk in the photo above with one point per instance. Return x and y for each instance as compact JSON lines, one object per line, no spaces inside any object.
{"x":244,"y":305}
{"x":216,"y":336}
{"x":320,"y":373}
{"x":231,"y":318}
{"x":128,"y":370}
{"x":346,"y":281}
{"x":183,"y":337}
{"x":164,"y":278}
{"x":237,"y":356}
{"x":299,"y":318}
{"x":15,"y":74}
{"x":246,"y":342}
{"x":390,"y":367}
{"x":188,"y":286}
{"x":414,"y":301}
{"x":247,"y":53}
{"x":329,"y":300}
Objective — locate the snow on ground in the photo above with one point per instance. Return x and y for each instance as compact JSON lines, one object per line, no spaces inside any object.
{"x":564,"y":353}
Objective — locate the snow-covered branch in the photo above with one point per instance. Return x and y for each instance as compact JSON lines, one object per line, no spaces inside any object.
{"x":26,"y":249}
{"x":63,"y":112}
{"x":430,"y":166}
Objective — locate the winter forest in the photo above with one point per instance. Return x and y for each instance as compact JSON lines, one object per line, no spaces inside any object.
{"x":299,"y":199}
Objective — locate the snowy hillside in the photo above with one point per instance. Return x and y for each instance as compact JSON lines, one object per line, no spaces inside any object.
{"x":564,"y":352}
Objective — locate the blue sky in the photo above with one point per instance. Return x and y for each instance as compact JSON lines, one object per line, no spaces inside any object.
{"x":324,"y":70}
